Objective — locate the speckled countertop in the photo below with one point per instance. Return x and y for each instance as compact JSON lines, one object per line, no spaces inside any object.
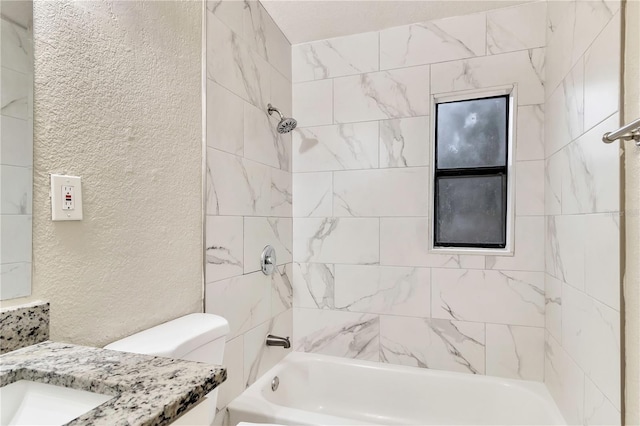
{"x":147,"y":390}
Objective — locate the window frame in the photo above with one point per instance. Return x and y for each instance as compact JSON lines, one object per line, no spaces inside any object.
{"x":488,"y":249}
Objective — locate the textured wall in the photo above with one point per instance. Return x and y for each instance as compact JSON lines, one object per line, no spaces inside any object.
{"x":365,"y":283}
{"x":632,"y":212}
{"x":118,"y":102}
{"x":248,"y":186}
{"x":582,"y":189}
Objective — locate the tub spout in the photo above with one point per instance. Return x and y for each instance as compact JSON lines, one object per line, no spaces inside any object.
{"x":278,"y":341}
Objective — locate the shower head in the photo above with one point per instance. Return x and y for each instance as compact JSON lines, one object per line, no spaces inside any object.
{"x":286,"y":124}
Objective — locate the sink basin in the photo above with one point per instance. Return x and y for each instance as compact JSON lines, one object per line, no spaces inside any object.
{"x":32,"y":403}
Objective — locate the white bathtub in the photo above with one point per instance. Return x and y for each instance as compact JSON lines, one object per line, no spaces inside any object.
{"x":323,"y":390}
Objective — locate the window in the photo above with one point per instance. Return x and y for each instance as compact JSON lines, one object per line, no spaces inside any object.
{"x":471,"y":173}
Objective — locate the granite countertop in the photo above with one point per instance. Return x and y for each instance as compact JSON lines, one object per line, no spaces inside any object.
{"x":146,"y":390}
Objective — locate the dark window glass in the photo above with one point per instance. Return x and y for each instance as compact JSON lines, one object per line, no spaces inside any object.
{"x":471,"y":173}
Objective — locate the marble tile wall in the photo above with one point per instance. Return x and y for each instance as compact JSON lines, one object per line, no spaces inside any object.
{"x":249,"y":186}
{"x":16,"y":160}
{"x":364,"y":283}
{"x":582,"y":211}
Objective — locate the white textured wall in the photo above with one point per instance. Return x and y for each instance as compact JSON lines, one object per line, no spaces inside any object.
{"x":632,"y":208}
{"x":582,"y":189}
{"x":366,"y":285}
{"x":248,"y":186}
{"x":118,"y":102}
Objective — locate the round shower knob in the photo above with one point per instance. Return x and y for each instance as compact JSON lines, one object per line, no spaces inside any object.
{"x":268,"y":260}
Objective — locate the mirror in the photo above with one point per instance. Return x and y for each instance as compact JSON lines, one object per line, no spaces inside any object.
{"x":16,"y":148}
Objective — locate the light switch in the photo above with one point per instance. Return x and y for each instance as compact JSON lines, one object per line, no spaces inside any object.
{"x":66,"y":197}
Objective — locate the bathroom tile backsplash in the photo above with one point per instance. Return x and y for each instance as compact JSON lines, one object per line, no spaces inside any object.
{"x":364,"y":282}
{"x":582,"y":208}
{"x":23,"y":325}
{"x":249,"y":186}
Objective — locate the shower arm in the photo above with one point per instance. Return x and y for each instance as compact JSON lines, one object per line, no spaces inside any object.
{"x":271,"y":108}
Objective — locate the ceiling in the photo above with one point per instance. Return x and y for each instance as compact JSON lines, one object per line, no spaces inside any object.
{"x":309,"y":20}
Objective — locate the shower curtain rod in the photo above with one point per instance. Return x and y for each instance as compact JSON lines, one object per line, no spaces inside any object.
{"x":630,"y":131}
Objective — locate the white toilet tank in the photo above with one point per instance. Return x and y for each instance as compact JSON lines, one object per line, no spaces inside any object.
{"x":194,"y":337}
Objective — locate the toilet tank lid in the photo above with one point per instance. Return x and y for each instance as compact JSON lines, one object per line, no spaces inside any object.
{"x":175,"y":338}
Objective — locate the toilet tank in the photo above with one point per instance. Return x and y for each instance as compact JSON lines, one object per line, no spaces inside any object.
{"x":195,"y":337}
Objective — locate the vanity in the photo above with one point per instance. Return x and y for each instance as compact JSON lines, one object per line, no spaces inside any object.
{"x":124,"y":388}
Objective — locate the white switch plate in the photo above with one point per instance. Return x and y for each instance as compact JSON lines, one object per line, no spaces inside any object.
{"x":66,"y":197}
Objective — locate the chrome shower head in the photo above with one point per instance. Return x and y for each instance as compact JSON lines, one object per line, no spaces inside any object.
{"x":286,"y":124}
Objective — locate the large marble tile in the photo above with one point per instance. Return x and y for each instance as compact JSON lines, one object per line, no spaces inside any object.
{"x":233,"y":65}
{"x":17,"y":142}
{"x":382,"y":192}
{"x":528,"y":247}
{"x":553,"y":306}
{"x":553,"y":173}
{"x":502,"y":297}
{"x":336,"y":147}
{"x":281,"y":93}
{"x":262,"y":142}
{"x":572,"y":27}
{"x":17,"y":47}
{"x":314,"y":194}
{"x":225,"y":119}
{"x":433,"y":343}
{"x":383,"y":290}
{"x":530,"y":133}
{"x":526,"y":68}
{"x":233,"y":360}
{"x":591,"y":18}
{"x":404,"y":142}
{"x":313,"y":285}
{"x":564,"y":118}
{"x":335,"y":57}
{"x":245,"y":301}
{"x":336,"y":240}
{"x":281,"y":289}
{"x":224,"y":247}
{"x":313,"y":103}
{"x":281,"y":193}
{"x":591,"y":180}
{"x":591,"y":336}
{"x":530,"y":188}
{"x":561,"y":17}
{"x":236,"y":186}
{"x":434,"y":41}
{"x":516,"y":28}
{"x":602,"y":75}
{"x":405,"y":242}
{"x":15,"y":244}
{"x":264,"y":37}
{"x":258,"y":357}
{"x":344,"y":334}
{"x":602,"y":258}
{"x":515,"y":352}
{"x":262,"y":231}
{"x":14,"y":97}
{"x":565,"y":248}
{"x":16,"y":190}
{"x":230,"y":12}
{"x":16,"y":280}
{"x":377,"y":96}
{"x":565,"y":381}
{"x":598,"y":410}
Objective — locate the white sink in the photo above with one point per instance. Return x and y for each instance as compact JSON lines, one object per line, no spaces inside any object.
{"x":31,"y":403}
